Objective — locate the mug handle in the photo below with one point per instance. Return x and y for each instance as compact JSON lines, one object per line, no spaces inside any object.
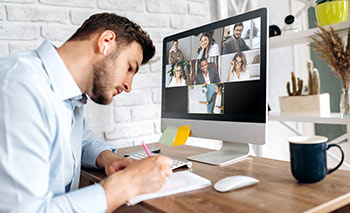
{"x":342,"y":157}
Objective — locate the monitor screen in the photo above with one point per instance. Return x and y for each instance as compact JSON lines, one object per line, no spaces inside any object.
{"x":217,"y":71}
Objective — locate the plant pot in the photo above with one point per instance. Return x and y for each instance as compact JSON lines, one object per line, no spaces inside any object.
{"x":332,"y":12}
{"x":314,"y":105}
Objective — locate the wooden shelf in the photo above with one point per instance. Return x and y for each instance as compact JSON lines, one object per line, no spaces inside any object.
{"x":303,"y":37}
{"x":334,"y":118}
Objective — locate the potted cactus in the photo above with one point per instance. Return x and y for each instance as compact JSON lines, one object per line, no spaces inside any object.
{"x":312,"y":103}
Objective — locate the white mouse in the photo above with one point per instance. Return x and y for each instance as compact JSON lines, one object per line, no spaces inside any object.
{"x":234,"y":182}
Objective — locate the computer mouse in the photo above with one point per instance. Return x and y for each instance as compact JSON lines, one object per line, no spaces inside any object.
{"x":234,"y":182}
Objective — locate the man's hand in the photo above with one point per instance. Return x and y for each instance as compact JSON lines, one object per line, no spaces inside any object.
{"x":111,"y":163}
{"x":145,"y":176}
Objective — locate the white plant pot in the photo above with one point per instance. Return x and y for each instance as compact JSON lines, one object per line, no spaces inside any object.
{"x":317,"y":105}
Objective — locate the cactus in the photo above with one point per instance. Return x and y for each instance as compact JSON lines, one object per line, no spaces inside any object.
{"x":309,"y":70}
{"x":296,"y":91}
{"x":314,"y":79}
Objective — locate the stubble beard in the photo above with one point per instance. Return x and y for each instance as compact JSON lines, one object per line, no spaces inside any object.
{"x":102,"y":79}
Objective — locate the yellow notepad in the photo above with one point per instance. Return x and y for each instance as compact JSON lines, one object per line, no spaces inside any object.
{"x":178,"y":182}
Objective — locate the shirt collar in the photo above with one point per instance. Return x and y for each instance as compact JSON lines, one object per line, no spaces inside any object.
{"x":61,"y":80}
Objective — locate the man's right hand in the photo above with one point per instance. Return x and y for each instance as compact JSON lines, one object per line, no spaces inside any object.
{"x":147,"y":175}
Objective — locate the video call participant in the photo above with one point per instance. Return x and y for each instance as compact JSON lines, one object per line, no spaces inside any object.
{"x":235,"y":43}
{"x":238,"y":68}
{"x":175,"y":54}
{"x":217,"y":99}
{"x":177,"y":79}
{"x":206,"y":75}
{"x":207,"y":47}
{"x":44,"y":138}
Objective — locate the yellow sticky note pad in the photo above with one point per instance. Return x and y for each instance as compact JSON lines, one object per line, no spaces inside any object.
{"x":175,"y":136}
{"x":182,"y":134}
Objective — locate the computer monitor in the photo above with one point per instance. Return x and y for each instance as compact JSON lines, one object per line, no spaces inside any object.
{"x":214,"y":78}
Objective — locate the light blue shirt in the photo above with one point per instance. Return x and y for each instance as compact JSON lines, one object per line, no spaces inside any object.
{"x":44,"y":138}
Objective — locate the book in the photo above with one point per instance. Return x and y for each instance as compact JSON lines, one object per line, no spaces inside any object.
{"x":178,"y":182}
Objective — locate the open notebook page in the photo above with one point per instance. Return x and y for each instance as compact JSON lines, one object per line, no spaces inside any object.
{"x":178,"y":182}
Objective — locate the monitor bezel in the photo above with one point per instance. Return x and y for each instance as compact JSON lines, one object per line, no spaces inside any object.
{"x":260,"y":117}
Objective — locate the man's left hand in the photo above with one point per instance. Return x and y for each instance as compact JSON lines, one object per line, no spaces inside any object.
{"x":111,"y":163}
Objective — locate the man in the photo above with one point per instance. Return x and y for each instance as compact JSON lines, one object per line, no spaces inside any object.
{"x":235,"y":43}
{"x":206,"y":75}
{"x":43,"y":136}
{"x":175,"y":53}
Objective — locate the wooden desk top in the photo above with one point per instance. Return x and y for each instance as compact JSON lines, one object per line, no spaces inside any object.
{"x":277,"y":190}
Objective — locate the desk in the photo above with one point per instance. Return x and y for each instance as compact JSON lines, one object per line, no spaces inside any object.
{"x":277,"y":190}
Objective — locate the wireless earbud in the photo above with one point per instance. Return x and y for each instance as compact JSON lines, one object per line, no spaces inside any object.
{"x":105,"y":49}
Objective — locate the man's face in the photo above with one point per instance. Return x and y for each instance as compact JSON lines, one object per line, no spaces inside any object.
{"x":204,"y":66}
{"x":238,"y":32}
{"x":176,"y":45}
{"x":114,"y":73}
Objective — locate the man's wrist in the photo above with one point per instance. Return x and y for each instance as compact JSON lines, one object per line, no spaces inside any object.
{"x":104,"y":157}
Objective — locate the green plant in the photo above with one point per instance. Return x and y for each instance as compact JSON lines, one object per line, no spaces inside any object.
{"x":314,"y":79}
{"x":296,"y":91}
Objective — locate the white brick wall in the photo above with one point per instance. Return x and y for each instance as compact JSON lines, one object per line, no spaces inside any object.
{"x":131,"y":118}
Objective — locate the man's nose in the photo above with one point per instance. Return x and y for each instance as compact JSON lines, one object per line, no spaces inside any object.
{"x":127,"y":85}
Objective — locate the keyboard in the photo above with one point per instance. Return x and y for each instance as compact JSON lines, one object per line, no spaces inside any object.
{"x":142,"y":154}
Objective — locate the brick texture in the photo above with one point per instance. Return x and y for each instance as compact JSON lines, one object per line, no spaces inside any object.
{"x":73,"y":3}
{"x":172,"y":7}
{"x":4,"y":49}
{"x":133,"y":117}
{"x":2,"y":13}
{"x":57,"y":32}
{"x":122,"y":5}
{"x":35,"y":14}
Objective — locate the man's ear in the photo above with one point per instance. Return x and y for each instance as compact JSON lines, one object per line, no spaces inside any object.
{"x":106,"y":42}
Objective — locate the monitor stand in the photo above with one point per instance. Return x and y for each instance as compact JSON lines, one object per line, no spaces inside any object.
{"x":228,"y":153}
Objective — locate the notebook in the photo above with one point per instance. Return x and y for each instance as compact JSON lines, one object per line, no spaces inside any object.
{"x":178,"y":182}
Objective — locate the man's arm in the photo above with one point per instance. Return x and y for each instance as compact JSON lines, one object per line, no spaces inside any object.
{"x":30,"y":181}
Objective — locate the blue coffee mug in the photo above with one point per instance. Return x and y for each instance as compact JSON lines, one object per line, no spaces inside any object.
{"x":308,"y":158}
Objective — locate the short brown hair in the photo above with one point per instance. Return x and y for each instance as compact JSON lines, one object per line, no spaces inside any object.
{"x":127,"y":31}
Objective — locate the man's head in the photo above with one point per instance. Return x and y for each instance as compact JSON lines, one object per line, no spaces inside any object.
{"x":203,"y":65}
{"x":175,"y":44}
{"x":122,"y":47}
{"x":237,"y":30}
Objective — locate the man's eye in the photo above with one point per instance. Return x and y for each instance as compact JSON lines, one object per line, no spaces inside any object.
{"x":130,"y":69}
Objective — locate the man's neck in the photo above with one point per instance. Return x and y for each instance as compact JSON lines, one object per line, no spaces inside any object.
{"x":77,"y":56}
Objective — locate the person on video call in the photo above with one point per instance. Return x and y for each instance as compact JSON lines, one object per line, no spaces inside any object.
{"x":175,"y":54}
{"x":177,"y":79}
{"x":207,"y":47}
{"x":44,"y":137}
{"x":235,"y":43}
{"x":217,"y":99}
{"x":238,"y":68}
{"x":206,"y":75}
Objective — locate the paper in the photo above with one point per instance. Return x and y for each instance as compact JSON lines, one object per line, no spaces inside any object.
{"x":175,"y":136}
{"x":178,"y":182}
{"x":182,"y":134}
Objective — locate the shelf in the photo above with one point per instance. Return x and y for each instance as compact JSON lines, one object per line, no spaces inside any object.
{"x":334,"y":118}
{"x":293,"y":38}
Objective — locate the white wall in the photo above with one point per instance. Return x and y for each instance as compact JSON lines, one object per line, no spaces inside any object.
{"x":133,"y":117}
